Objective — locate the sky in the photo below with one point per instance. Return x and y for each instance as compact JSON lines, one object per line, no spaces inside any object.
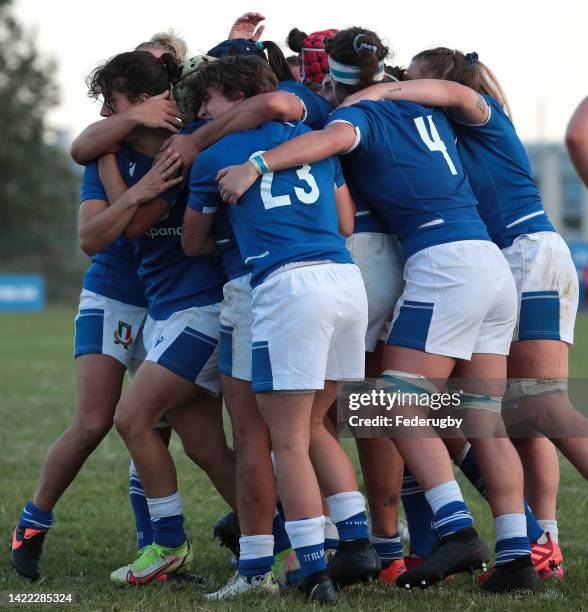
{"x":536,"y":48}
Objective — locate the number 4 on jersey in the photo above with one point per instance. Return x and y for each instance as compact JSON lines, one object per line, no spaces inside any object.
{"x":433,"y":141}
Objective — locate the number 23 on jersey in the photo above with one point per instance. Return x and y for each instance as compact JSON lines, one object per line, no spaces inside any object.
{"x":305,"y":197}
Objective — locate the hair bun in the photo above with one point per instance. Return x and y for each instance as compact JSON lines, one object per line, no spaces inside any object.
{"x":295,"y":40}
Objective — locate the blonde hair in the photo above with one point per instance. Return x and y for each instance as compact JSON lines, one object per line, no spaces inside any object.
{"x":169,"y":42}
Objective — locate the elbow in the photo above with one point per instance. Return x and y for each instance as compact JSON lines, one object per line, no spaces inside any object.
{"x":276,"y":106}
{"x":272,"y":105}
{"x":574,"y":139}
{"x":347,"y":228}
{"x":88,"y":246}
{"x":77,"y":154}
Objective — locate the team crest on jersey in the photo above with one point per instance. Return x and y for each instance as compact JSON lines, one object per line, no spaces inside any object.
{"x":123,"y":334}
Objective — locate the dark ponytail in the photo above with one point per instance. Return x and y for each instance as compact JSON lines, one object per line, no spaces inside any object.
{"x":295,"y":39}
{"x":277,"y":60}
{"x":358,"y":47}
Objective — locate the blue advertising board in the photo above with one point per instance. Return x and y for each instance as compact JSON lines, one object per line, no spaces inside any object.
{"x":22,"y":292}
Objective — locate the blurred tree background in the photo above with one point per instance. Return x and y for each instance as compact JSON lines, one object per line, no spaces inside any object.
{"x":38,"y":183}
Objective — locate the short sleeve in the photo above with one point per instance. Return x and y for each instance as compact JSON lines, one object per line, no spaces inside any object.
{"x":92,"y":188}
{"x":358,"y":120}
{"x":492,"y":124}
{"x":204,"y":196}
{"x":316,"y":108}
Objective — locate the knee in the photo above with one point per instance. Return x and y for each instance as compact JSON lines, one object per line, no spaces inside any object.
{"x":90,"y":433}
{"x":204,"y":454}
{"x":247,"y":439}
{"x":124,"y":423}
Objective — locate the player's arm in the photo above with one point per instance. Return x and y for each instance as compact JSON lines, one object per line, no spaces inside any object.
{"x":577,"y":140}
{"x":100,"y":224}
{"x":133,"y":210}
{"x":345,"y":210}
{"x":463,"y":104}
{"x":251,"y":113}
{"x":203,"y":204}
{"x":100,"y":137}
{"x":311,"y":147}
{"x":196,"y":233}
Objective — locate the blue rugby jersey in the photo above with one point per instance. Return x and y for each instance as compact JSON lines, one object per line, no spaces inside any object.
{"x":173,"y":281}
{"x":405,"y":164}
{"x":285,"y":217}
{"x":227,"y":247}
{"x":500,"y":174}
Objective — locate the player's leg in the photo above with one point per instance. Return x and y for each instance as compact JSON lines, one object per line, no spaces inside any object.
{"x":355,"y":558}
{"x":436,"y":323}
{"x":260,"y":528}
{"x":288,"y":419}
{"x":483,"y":380}
{"x":101,"y":361}
{"x":199,"y":425}
{"x":382,"y":468}
{"x":542,"y":400}
{"x":154,"y":392}
{"x":181,"y":363}
{"x":426,"y":457}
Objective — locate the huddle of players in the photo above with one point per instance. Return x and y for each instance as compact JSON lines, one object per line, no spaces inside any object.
{"x":449,"y":258}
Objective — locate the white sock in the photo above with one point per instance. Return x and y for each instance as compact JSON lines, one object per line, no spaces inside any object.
{"x":331,"y":532}
{"x":344,"y":505}
{"x":256,"y":547}
{"x":443,"y":494}
{"x":548,"y":526}
{"x":162,"y":507}
{"x":306,"y":532}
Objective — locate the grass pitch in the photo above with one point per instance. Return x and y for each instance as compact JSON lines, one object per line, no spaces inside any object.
{"x":94,"y":529}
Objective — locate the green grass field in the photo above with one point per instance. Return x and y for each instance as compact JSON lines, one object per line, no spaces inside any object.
{"x":94,"y":530}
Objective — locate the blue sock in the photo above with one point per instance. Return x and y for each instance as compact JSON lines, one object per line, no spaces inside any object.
{"x":167,"y":520}
{"x":469,"y":467}
{"x":140,"y":509}
{"x":388,"y":548}
{"x":281,"y":539}
{"x":308,"y":540}
{"x":348,"y":513}
{"x":419,"y":516}
{"x":256,"y":555}
{"x":511,"y":539}
{"x":353,"y":528}
{"x":33,"y":518}
{"x":450,"y":512}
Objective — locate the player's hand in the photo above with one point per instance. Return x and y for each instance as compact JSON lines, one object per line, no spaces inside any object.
{"x":234,"y":181}
{"x":162,"y":175}
{"x":245,"y":27}
{"x":184,"y":145}
{"x":158,"y":112}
